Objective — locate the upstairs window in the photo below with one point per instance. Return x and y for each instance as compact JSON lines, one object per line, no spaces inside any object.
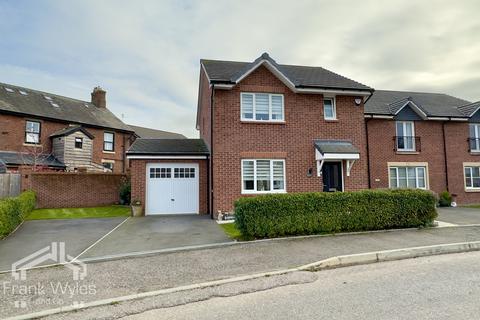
{"x":108,"y":141}
{"x":329,"y":112}
{"x":474,"y":137}
{"x":78,"y":143}
{"x":405,"y":138}
{"x":262,"y":107}
{"x":32,"y":132}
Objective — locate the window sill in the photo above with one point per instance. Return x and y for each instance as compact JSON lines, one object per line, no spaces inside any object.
{"x":262,"y":122}
{"x":262,"y":192}
{"x":475,"y":153}
{"x":109,"y":152}
{"x":472,"y":190}
{"x":330,"y":120}
{"x":407,"y":152}
{"x":32,"y":144}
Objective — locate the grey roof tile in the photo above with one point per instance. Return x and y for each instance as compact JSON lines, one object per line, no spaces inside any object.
{"x":61,"y":108}
{"x":469,"y":109}
{"x":387,"y":102}
{"x":300,"y":76}
{"x":335,"y":146}
{"x":148,"y":133}
{"x":169,"y":147}
{"x":22,"y":158}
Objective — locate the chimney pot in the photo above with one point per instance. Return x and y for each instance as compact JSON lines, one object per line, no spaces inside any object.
{"x":99,"y":97}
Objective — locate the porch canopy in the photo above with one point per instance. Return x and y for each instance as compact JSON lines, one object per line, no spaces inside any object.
{"x":335,"y":150}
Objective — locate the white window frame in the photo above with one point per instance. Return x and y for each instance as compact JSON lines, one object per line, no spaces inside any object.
{"x":270,"y":95}
{"x":417,"y":167}
{"x":32,"y":133}
{"x":334,"y":108}
{"x":470,"y":166}
{"x":476,"y":136}
{"x":404,"y":126}
{"x":254,"y":191}
{"x":105,"y":141}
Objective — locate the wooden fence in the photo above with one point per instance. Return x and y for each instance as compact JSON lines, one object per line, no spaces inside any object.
{"x":10,"y":185}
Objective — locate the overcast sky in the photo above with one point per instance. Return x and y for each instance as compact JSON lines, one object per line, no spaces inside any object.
{"x":146,"y":53}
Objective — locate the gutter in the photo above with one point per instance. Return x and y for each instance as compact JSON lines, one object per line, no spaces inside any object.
{"x":210,"y":176}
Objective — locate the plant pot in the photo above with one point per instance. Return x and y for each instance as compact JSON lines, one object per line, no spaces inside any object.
{"x":137,"y":211}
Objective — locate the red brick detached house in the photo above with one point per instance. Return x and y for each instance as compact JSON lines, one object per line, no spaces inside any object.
{"x":278,"y":128}
{"x":424,"y":140}
{"x":58,"y":133}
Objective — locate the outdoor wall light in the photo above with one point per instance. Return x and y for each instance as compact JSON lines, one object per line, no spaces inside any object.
{"x":358,"y":101}
{"x":310,"y":172}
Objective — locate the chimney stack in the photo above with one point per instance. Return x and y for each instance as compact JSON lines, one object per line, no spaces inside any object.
{"x":99,"y":97}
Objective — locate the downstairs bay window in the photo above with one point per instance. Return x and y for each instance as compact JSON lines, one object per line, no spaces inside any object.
{"x":263,"y":176}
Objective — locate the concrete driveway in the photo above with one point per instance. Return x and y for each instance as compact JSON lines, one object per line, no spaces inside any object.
{"x":78,"y":234}
{"x":159,"y":232}
{"x":459,"y":215}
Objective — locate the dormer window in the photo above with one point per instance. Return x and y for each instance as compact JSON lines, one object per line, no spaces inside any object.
{"x":78,"y":143}
{"x":262,"y":107}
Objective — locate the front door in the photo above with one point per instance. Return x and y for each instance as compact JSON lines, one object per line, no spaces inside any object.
{"x":332,"y":176}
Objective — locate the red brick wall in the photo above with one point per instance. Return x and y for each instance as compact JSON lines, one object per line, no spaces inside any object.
{"x":12,"y":137}
{"x":457,"y":134}
{"x":138,"y":177}
{"x":381,"y":149}
{"x":204,"y":97}
{"x":304,"y":122}
{"x":70,"y":190}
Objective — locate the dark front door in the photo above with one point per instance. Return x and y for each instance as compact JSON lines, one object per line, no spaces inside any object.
{"x":332,"y":176}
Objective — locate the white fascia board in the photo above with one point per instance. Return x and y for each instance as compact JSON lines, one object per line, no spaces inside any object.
{"x":272,"y":69}
{"x":459,"y":119}
{"x":223,"y":86}
{"x":336,"y":156}
{"x":415,"y":107}
{"x":438,"y":118}
{"x":334,"y":92}
{"x":143,"y":157}
{"x":206,"y":73}
{"x":375,"y":116}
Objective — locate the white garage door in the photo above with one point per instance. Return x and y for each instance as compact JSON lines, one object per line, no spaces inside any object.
{"x":172,"y":188}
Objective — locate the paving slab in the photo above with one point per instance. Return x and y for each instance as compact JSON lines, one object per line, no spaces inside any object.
{"x":32,"y":235}
{"x":157,"y":233}
{"x":459,"y":215}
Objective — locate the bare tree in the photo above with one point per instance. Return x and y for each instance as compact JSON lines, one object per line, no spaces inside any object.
{"x":33,"y":155}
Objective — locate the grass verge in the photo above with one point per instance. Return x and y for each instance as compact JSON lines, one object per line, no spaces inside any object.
{"x":79,"y":213}
{"x":231,"y":231}
{"x":472,"y":206}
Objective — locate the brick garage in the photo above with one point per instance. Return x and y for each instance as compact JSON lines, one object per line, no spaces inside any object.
{"x":138,"y":170}
{"x":70,"y":190}
{"x":161,"y":178}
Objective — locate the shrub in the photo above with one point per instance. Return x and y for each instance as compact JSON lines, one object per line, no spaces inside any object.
{"x":14,"y":210}
{"x":445,"y":199}
{"x":312,"y":213}
{"x":125,"y":193}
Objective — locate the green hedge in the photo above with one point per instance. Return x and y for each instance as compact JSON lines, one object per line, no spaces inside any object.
{"x":14,"y":210}
{"x":312,"y":213}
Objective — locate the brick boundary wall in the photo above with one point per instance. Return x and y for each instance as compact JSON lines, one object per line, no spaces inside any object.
{"x":70,"y":190}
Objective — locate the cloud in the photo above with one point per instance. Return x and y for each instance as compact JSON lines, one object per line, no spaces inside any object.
{"x":146,"y":54}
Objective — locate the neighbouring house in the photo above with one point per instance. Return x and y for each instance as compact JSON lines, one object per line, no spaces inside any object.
{"x":424,"y":140}
{"x":59,"y":133}
{"x":272,"y":128}
{"x":148,"y":133}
